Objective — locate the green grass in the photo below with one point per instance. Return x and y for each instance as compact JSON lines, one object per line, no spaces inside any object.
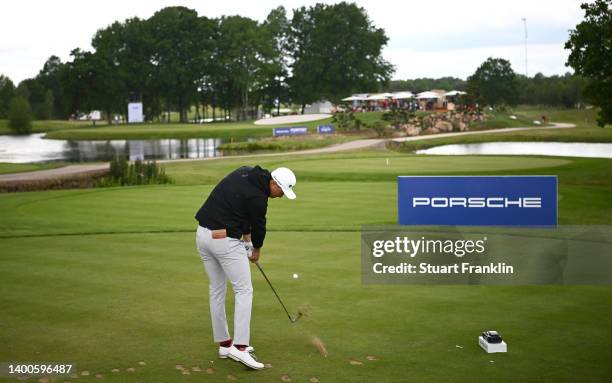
{"x":227,"y":130}
{"x":72,"y":292}
{"x":110,"y":277}
{"x":6,"y":167}
{"x":369,"y":118}
{"x":238,"y":131}
{"x":144,"y":299}
{"x":287,"y":143}
{"x":51,"y":126}
{"x":580,"y":117}
{"x":358,"y":166}
{"x":500,"y":120}
{"x":578,"y":134}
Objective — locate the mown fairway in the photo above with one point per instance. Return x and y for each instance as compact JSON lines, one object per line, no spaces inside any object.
{"x":110,"y":277}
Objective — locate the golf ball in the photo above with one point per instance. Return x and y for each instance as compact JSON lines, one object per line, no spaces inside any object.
{"x":295,"y":276}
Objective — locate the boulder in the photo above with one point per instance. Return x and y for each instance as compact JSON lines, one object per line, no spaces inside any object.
{"x":411,"y":130}
{"x":444,"y":126}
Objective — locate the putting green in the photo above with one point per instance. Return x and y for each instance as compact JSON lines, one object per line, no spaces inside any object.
{"x":139,"y":292}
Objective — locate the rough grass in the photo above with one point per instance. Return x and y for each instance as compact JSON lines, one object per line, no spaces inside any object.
{"x":7,"y":167}
{"x":500,"y":120}
{"x":581,"y":117}
{"x":286,"y":143}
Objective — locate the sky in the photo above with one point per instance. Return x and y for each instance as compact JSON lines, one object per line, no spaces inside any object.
{"x":426,"y":38}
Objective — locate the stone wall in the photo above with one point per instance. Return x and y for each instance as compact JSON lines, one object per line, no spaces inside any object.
{"x":441,"y":123}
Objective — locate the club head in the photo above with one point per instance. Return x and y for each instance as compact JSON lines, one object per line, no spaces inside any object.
{"x":298,"y":316}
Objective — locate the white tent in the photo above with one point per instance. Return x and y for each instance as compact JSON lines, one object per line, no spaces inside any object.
{"x":319,"y":107}
{"x":402,"y":95}
{"x":454,"y":93}
{"x":428,"y":95}
{"x":380,"y":96}
{"x":354,"y":98}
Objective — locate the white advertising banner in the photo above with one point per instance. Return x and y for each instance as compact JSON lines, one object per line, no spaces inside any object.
{"x":135,"y":112}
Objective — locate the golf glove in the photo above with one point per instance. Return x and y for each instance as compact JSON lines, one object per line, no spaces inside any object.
{"x":249,"y":248}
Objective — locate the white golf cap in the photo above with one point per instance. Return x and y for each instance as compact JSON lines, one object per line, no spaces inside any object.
{"x":285,"y":178}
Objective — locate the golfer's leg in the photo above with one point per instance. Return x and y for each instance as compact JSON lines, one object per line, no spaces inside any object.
{"x":236,"y":266}
{"x":217,"y":287}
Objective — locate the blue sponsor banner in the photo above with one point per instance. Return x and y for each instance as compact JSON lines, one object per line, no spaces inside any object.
{"x":290,"y":131}
{"x":480,"y":201}
{"x":325,"y":129}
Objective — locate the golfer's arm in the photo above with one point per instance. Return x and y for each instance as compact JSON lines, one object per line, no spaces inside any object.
{"x":256,"y":210}
{"x":246,"y":237}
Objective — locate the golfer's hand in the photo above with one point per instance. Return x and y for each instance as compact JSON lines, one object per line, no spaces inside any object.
{"x":254,"y":256}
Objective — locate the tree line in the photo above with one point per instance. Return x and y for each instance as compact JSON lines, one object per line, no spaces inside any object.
{"x":557,"y":90}
{"x":177,"y":59}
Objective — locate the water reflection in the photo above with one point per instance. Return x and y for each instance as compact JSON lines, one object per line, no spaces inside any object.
{"x":33,"y":148}
{"x":565,"y":149}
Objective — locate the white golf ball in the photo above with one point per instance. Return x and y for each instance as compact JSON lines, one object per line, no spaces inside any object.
{"x":295,"y":276}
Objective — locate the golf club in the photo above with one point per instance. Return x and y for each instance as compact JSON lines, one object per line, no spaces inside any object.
{"x":299,"y":314}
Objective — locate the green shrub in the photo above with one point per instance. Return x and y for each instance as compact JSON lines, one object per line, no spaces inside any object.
{"x":122,"y":173}
{"x":380,"y":128}
{"x":397,"y":117}
{"x":20,"y":116}
{"x":346,"y":121}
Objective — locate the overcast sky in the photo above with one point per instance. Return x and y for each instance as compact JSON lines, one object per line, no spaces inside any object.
{"x":426,"y":38}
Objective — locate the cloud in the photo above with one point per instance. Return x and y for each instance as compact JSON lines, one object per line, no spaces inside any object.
{"x":545,"y":58}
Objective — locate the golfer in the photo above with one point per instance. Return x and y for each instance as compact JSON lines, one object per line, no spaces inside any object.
{"x":231,"y":231}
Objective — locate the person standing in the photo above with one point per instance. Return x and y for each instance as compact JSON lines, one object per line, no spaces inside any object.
{"x":231,"y":231}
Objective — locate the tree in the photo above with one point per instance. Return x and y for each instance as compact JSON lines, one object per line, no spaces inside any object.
{"x":494,"y":83}
{"x":275,"y":30}
{"x":107,"y":71}
{"x":335,"y":51}
{"x":181,"y":46}
{"x":50,"y":77}
{"x":128,"y":48}
{"x":423,"y":84}
{"x":591,"y":49}
{"x":20,"y":116}
{"x":7,"y":92}
{"x":75,"y":82}
{"x":92,"y":84}
{"x":34,"y":92}
{"x":243,"y":51}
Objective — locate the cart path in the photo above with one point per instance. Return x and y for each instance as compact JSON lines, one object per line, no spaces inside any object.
{"x":80,"y":169}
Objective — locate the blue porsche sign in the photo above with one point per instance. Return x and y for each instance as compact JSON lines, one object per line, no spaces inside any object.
{"x":290,"y":131}
{"x":325,"y":129}
{"x":478,"y":200}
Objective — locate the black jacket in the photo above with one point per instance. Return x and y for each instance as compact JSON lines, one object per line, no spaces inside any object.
{"x":239,"y":204}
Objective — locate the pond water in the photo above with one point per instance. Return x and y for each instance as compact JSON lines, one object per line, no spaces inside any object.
{"x":34,"y":148}
{"x":566,"y":149}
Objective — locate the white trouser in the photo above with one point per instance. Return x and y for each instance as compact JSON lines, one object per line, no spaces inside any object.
{"x":225,"y":259}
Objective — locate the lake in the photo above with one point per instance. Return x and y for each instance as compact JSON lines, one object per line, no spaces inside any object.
{"x":565,"y":149}
{"x":34,"y":148}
